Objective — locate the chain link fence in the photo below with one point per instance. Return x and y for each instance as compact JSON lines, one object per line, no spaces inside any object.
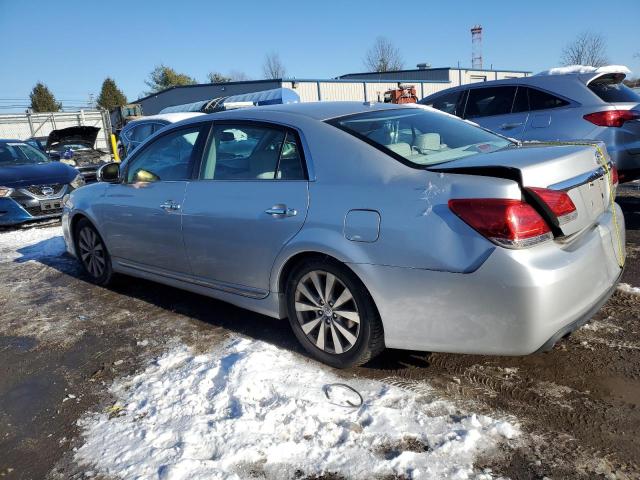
{"x":22,"y":126}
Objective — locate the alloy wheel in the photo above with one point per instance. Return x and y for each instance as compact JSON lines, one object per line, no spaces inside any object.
{"x":327,"y":312}
{"x":92,"y":252}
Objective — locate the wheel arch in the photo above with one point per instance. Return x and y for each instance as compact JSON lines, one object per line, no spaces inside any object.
{"x":295,"y":259}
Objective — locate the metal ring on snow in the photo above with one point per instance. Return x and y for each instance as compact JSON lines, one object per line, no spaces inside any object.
{"x":326,"y":388}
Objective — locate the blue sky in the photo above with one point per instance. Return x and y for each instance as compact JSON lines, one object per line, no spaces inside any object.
{"x":73,"y":45}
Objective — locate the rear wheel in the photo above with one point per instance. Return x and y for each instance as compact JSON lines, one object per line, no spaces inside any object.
{"x":332,"y":314}
{"x":92,"y":253}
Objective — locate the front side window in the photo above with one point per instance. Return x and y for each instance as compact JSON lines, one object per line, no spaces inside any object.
{"x":484,"y":102}
{"x":18,"y":153}
{"x":420,"y":137}
{"x":167,"y":158}
{"x":250,"y":152}
{"x":449,"y":103}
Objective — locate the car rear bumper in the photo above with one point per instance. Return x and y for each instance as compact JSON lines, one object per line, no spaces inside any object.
{"x":12,"y":213}
{"x":512,"y":305}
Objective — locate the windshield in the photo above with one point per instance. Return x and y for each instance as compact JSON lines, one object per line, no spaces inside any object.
{"x":419,"y":136}
{"x":18,"y":153}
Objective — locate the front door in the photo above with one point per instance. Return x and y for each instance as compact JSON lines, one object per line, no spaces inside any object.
{"x":249,"y":201}
{"x":142,"y":215}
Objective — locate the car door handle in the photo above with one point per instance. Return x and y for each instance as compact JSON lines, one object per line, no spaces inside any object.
{"x":170,"y":206}
{"x":281,"y":211}
{"x":509,"y":126}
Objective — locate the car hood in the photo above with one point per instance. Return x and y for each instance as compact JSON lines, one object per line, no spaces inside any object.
{"x":77,"y":135}
{"x":17,"y":176}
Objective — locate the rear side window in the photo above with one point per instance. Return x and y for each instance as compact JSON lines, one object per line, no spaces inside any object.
{"x":250,"y":152}
{"x":539,"y":100}
{"x":484,"y":102}
{"x":449,"y":102}
{"x":612,"y":91}
{"x":141,"y":132}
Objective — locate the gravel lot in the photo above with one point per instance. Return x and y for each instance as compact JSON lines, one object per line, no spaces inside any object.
{"x":63,"y":342}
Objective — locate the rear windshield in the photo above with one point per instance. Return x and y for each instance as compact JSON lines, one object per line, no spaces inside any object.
{"x":419,"y":136}
{"x":612,"y":92}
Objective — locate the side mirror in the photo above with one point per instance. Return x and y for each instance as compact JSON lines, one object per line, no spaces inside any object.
{"x":109,"y":173}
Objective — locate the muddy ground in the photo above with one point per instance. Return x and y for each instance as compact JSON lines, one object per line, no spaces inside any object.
{"x":63,"y":340}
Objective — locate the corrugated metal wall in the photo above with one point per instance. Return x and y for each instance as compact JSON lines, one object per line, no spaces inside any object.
{"x":308,"y":90}
{"x":21,"y":126}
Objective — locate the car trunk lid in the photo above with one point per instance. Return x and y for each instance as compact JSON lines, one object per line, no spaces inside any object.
{"x":574,"y":169}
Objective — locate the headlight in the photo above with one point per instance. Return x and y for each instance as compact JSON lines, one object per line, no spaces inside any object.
{"x":78,"y":181}
{"x":5,"y":191}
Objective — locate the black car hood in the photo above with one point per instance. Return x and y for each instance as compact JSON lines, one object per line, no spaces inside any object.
{"x":78,"y":135}
{"x":18,"y":176}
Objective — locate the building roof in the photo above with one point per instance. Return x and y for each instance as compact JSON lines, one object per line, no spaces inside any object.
{"x":412,"y":70}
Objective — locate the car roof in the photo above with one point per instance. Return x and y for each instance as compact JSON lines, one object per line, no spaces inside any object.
{"x":315,"y":110}
{"x":572,"y":86}
{"x":167,"y":117}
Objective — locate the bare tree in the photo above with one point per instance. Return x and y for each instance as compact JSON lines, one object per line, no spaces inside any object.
{"x":588,"y":48}
{"x":383,"y":56}
{"x":273,"y":68}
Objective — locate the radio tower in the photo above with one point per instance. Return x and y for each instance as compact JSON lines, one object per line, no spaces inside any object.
{"x":476,"y":47}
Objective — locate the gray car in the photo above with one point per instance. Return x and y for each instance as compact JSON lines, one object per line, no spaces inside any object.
{"x":367,"y":225}
{"x":137,"y":131}
{"x":578,"y":106}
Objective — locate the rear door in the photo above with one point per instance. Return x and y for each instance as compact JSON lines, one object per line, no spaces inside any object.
{"x":249,"y":200}
{"x":552,"y":117}
{"x":492,"y":107}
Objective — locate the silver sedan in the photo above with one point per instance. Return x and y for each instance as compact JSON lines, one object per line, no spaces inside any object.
{"x":366,"y":225}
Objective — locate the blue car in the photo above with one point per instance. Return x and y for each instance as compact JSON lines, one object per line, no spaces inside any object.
{"x":32,"y":187}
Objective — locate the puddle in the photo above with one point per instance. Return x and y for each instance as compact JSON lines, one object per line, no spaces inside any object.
{"x":21,"y":344}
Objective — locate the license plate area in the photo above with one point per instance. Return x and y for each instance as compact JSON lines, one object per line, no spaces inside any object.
{"x":49,"y":205}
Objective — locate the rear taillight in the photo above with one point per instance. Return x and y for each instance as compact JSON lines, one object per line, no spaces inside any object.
{"x":558,"y":202}
{"x":614,"y":175}
{"x":510,"y":223}
{"x":612,"y":118}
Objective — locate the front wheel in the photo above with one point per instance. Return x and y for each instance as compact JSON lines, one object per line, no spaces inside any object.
{"x":92,"y":253}
{"x":332,"y":314}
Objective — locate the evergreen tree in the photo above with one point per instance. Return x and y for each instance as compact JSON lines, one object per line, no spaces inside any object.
{"x":42,"y":100}
{"x":163,"y":77}
{"x":110,"y":95}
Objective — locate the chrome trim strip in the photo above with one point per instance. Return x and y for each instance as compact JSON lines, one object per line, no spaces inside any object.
{"x":224,"y":287}
{"x":579,"y":180}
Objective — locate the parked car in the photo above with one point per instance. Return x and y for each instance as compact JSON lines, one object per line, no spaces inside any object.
{"x":367,"y":225}
{"x":32,"y":186}
{"x":137,"y":131}
{"x":575,"y":106}
{"x":74,"y":146}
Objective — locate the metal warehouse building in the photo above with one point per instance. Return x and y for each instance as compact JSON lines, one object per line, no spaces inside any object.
{"x":368,"y":86}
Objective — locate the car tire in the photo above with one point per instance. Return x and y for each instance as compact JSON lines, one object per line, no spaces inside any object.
{"x":92,"y":253}
{"x":338,"y":325}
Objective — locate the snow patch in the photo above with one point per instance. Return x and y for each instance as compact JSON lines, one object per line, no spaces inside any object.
{"x":586,"y":69}
{"x":251,"y":409}
{"x":626,"y":288}
{"x":26,"y":244}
